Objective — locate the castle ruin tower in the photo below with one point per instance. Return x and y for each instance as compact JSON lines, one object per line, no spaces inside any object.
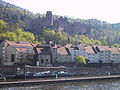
{"x":49,"y":18}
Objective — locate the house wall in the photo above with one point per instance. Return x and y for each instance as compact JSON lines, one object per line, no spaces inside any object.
{"x":105,"y":56}
{"x":18,"y":55}
{"x":93,"y":58}
{"x":75,"y":53}
{"x":2,"y":51}
{"x":24,"y":56}
{"x":44,"y":60}
{"x":64,"y":58}
{"x":115,"y":58}
{"x":90,"y":57}
{"x":54,"y":54}
{"x":8,"y":55}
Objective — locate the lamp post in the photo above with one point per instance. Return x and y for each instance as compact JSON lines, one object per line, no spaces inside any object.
{"x":25,"y":69}
{"x":25,"y":59}
{"x":98,"y":67}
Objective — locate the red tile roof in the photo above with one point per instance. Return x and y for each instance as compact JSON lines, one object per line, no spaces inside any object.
{"x":89,"y":50}
{"x":82,"y":46}
{"x":12,"y":43}
{"x":115,"y":50}
{"x":68,"y":46}
{"x":29,"y":45}
{"x":62,"y":51}
{"x":39,"y":50}
{"x":103,"y":48}
{"x":9,"y":42}
{"x":21,"y":49}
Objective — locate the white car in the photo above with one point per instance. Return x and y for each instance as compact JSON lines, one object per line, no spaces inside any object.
{"x":2,"y":77}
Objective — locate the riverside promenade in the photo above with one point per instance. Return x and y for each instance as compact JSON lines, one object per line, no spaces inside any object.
{"x":57,"y":80}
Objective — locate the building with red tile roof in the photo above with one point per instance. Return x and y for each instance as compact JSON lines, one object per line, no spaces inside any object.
{"x":115,"y":55}
{"x":90,"y":54}
{"x":16,"y":51}
{"x":46,"y":54}
{"x":89,"y":50}
{"x":104,"y":53}
{"x":63,"y":55}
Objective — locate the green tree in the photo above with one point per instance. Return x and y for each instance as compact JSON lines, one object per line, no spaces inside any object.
{"x":19,"y":35}
{"x":81,"y":59}
{"x":75,"y":39}
{"x":115,"y":45}
{"x":48,"y":35}
{"x":57,"y":37}
{"x":3,"y":26}
{"x":84,"y":39}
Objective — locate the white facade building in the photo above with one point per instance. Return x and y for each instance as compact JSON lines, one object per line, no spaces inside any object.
{"x":104,"y":53}
{"x":74,"y":51}
{"x":63,"y":55}
{"x":91,"y":55}
{"x":115,"y":55}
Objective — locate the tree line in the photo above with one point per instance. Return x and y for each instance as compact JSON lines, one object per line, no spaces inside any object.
{"x":92,"y":31}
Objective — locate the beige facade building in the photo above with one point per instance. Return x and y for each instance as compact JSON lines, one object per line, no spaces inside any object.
{"x":16,"y":52}
{"x":3,"y":50}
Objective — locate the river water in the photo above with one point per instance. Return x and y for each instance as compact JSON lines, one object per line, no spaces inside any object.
{"x":85,"y":85}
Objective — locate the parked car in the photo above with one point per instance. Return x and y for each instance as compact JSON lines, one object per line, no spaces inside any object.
{"x":54,"y":73}
{"x":63,"y":73}
{"x":38,"y":74}
{"x":2,"y":77}
{"x":46,"y":74}
{"x":62,"y":66}
{"x":30,"y":74}
{"x":43,"y":74}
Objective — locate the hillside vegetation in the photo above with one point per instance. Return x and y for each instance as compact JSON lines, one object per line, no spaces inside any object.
{"x":14,"y":20}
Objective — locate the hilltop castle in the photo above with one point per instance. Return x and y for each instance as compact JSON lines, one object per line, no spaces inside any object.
{"x":58,"y":23}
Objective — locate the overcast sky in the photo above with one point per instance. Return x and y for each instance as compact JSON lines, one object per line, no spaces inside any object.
{"x":106,"y":10}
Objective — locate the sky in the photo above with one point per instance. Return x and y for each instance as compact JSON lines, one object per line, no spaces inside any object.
{"x":105,"y":10}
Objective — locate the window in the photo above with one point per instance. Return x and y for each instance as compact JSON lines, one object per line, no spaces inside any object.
{"x":12,"y":57}
{"x":101,"y":54}
{"x":42,"y":61}
{"x":21,"y":52}
{"x":0,"y":60}
{"x":46,"y":60}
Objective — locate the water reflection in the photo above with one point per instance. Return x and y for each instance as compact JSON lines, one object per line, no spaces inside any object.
{"x":89,"y":85}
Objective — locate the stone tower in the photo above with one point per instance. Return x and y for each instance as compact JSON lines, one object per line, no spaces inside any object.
{"x":49,"y":18}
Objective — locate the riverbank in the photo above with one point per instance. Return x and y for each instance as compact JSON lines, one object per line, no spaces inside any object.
{"x":58,"y":80}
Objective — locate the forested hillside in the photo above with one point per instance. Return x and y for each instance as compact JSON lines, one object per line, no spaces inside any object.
{"x":64,"y":29}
